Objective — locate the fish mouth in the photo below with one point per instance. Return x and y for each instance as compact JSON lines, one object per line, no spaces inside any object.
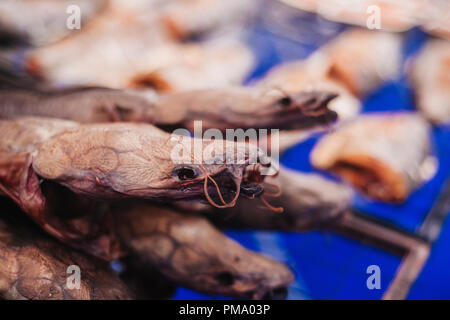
{"x":221,"y":184}
{"x":251,"y":189}
{"x":255,"y":287}
{"x":312,"y":103}
{"x":229,"y":185}
{"x":306,"y":110}
{"x":302,"y":110}
{"x":223,"y":188}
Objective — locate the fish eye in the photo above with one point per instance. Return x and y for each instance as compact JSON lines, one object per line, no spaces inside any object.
{"x":285,"y":101}
{"x":185,"y":173}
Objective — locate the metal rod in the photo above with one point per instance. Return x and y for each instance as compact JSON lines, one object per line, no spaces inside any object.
{"x":431,"y":227}
{"x":407,"y":272}
{"x":414,"y":250}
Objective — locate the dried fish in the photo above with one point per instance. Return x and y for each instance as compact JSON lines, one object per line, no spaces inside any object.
{"x":349,"y":65}
{"x":47,"y":164}
{"x":34,"y":266}
{"x":430,"y":75}
{"x":138,"y":55}
{"x":394,"y":15}
{"x":312,"y":75}
{"x":308,"y":199}
{"x":188,"y":250}
{"x":241,"y":107}
{"x":374,"y":152}
{"x":362,"y":59}
{"x":210,"y":64}
{"x":84,"y":105}
{"x":224,"y":108}
{"x":436,"y":18}
{"x":187,"y":18}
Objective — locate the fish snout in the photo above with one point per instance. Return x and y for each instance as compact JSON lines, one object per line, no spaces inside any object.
{"x":251,"y":189}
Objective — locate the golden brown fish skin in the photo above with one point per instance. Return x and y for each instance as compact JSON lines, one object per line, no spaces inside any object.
{"x":81,"y":104}
{"x":375,"y":153}
{"x":187,"y":249}
{"x":34,"y":266}
{"x":40,"y":158}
